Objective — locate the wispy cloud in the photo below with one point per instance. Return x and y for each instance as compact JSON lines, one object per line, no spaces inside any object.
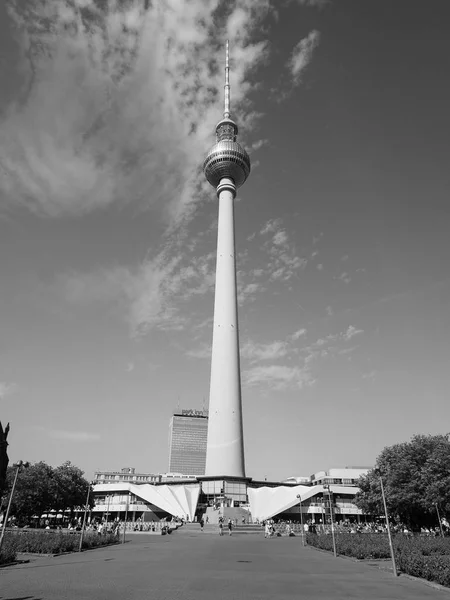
{"x":270,"y":226}
{"x":203,"y":352}
{"x":351,"y":332}
{"x":317,"y":238}
{"x":112,"y":107}
{"x":262,"y":352}
{"x":298,"y":334}
{"x":347,"y":351}
{"x":247,"y":292}
{"x":331,"y":345}
{"x":280,"y":238}
{"x":345,"y":277}
{"x":278,"y":377}
{"x":302,"y":55}
{"x":284,"y":261}
{"x":370,"y":376}
{"x":73,"y":436}
{"x":312,"y":3}
{"x":151,"y":294}
{"x":283,"y":365}
{"x":7,"y":388}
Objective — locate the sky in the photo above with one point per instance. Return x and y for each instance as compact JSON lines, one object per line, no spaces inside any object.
{"x":108,"y":228}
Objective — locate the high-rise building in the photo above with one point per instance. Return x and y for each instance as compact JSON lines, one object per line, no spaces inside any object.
{"x":226,"y":168}
{"x":188,"y":432}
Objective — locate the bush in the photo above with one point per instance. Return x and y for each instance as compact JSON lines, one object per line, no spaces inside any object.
{"x":425,"y":557}
{"x":433,"y":568}
{"x":428,"y":546}
{"x":8,"y":552}
{"x":359,"y":546}
{"x":56,"y":542}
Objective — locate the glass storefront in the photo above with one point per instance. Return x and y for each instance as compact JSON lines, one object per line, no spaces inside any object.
{"x":231,"y":493}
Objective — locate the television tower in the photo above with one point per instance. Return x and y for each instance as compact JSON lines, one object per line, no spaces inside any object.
{"x":226,"y":167}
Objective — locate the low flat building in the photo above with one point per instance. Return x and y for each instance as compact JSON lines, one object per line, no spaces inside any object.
{"x":174,"y":495}
{"x":126,"y":474}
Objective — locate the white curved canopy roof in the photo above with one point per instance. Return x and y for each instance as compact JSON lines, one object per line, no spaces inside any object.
{"x":266,"y":502}
{"x":177,"y":500}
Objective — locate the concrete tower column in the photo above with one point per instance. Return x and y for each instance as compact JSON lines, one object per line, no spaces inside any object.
{"x":225,"y":447}
{"x":226,"y":167}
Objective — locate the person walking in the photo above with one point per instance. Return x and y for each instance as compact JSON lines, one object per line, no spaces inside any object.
{"x":220,"y":526}
{"x":202,"y":523}
{"x":230,"y":526}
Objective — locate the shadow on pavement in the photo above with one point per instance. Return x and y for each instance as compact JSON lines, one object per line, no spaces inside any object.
{"x":21,"y":598}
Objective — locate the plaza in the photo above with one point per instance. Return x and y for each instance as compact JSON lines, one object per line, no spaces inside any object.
{"x":191,"y":565}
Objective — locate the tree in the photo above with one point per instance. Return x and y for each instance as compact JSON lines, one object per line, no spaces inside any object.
{"x":416,"y":477}
{"x":71,"y":488}
{"x":34,"y":493}
{"x":41,"y":488}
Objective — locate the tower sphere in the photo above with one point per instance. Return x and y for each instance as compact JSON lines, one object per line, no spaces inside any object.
{"x":227,"y":159}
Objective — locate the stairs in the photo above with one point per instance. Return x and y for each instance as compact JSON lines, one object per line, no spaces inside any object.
{"x":248,"y":528}
{"x":236,"y":514}
{"x":213,"y":529}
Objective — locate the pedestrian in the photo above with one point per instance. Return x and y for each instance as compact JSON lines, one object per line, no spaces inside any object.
{"x":267,"y":529}
{"x":220,"y":526}
{"x":202,"y":522}
{"x":230,"y":526}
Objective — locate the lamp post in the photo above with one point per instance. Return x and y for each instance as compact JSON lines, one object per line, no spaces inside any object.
{"x":107,"y":510}
{"x":20,"y":464}
{"x":299,"y":498}
{"x":327,"y":487}
{"x":126,"y":517}
{"x":84,"y":517}
{"x":439,"y":519}
{"x":388,"y":527}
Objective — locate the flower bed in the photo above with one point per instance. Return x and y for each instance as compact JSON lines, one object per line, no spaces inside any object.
{"x":425,"y":557}
{"x":50,"y":542}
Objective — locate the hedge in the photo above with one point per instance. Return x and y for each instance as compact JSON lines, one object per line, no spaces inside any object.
{"x":424,"y":557}
{"x":49,"y":542}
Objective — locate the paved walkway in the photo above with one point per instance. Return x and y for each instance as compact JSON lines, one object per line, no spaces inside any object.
{"x":189,"y":565}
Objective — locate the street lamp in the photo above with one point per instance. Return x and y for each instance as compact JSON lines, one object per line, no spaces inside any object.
{"x":439,"y":519}
{"x":19,"y":466}
{"x":107,"y":510}
{"x":327,"y":487}
{"x":126,"y":517}
{"x":299,"y":498}
{"x":84,"y":516}
{"x":388,"y":527}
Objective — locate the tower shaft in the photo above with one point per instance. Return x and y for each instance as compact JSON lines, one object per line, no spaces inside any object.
{"x":225,"y":446}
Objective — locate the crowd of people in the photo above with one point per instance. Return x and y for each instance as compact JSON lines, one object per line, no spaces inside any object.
{"x":347,"y":526}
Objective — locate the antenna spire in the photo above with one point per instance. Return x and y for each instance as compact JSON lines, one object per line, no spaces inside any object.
{"x":226,"y":113}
